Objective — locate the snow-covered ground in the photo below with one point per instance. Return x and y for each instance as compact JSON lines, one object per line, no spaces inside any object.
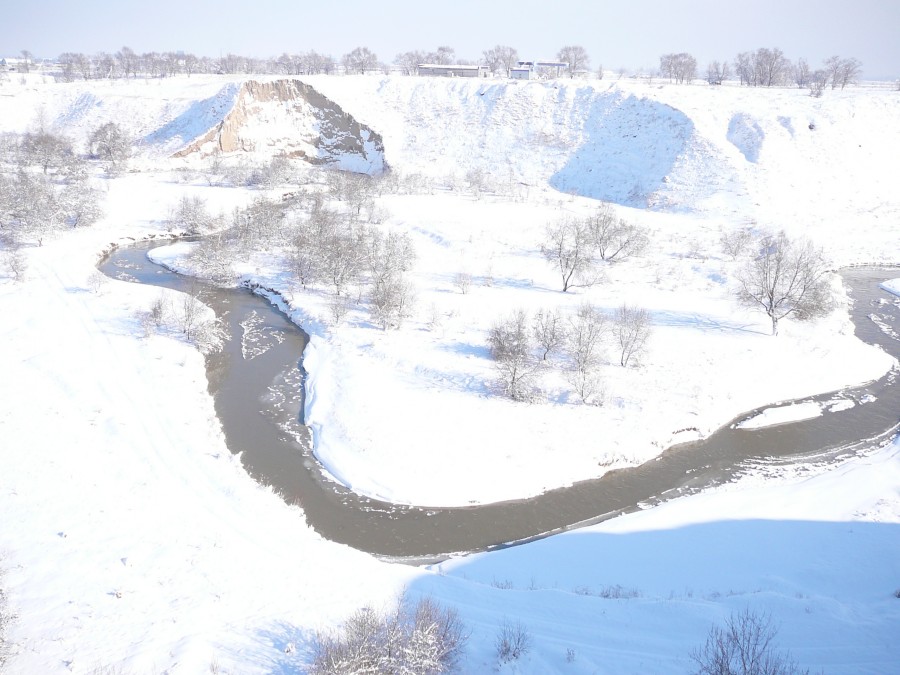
{"x":132,"y":540}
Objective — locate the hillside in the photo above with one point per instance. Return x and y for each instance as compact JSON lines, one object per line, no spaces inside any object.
{"x":134,"y":542}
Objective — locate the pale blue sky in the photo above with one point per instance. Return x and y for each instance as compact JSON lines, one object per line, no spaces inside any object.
{"x":617,"y":34}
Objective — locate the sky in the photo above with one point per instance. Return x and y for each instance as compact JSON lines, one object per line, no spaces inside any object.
{"x":622,"y":34}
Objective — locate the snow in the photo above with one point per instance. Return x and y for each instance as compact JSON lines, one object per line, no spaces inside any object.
{"x":783,"y":414}
{"x":133,"y":540}
{"x":892,"y":285}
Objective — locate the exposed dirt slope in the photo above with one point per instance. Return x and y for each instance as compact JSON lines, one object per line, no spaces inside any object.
{"x":290,"y":117}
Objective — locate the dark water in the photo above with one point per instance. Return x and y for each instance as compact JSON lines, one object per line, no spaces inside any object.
{"x":259,"y":401}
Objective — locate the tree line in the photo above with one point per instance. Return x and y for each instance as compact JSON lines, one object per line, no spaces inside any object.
{"x":763,"y":67}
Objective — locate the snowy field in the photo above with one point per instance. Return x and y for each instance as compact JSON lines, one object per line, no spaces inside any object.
{"x":132,"y":541}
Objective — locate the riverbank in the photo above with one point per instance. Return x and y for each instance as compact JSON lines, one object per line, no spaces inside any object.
{"x":129,"y":530}
{"x":429,"y":425}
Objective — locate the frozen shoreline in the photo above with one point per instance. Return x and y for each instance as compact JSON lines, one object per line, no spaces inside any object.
{"x":175,"y":257}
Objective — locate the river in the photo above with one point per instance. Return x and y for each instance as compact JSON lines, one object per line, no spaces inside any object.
{"x":257,"y":385}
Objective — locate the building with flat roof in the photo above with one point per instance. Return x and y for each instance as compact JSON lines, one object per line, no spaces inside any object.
{"x":437,"y":70}
{"x":531,"y":70}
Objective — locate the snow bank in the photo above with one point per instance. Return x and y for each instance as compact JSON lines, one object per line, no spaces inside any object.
{"x":637,"y":593}
{"x":782,"y":415}
{"x":893,"y":286}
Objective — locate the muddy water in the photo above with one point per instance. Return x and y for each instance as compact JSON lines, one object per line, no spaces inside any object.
{"x":257,"y":385}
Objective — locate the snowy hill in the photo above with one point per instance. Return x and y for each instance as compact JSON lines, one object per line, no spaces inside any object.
{"x":779,"y":157}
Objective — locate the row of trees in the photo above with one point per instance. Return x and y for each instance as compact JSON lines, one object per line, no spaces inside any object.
{"x":678,"y":68}
{"x":576,"y":247}
{"x":522,"y":347}
{"x":764,"y":68}
{"x":127,"y":63}
{"x":769,"y":67}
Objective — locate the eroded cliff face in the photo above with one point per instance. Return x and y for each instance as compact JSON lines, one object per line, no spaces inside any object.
{"x":291,"y":118}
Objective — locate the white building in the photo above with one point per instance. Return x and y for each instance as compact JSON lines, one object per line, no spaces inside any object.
{"x":437,"y":70}
{"x":532,"y":70}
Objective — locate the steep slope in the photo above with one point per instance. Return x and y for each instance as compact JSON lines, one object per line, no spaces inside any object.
{"x":779,"y":158}
{"x":291,"y":118}
{"x":593,"y":141}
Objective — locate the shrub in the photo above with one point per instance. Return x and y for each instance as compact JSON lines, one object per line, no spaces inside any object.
{"x":744,"y":646}
{"x":513,"y":641}
{"x":422,"y":638}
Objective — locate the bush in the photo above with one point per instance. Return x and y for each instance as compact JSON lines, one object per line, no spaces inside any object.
{"x":744,"y":646}
{"x":513,"y":641}
{"x":422,"y":638}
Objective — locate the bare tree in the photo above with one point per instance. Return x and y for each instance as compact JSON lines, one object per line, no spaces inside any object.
{"x":801,"y":73}
{"x":500,"y":59}
{"x":513,"y":356}
{"x":392,"y":301}
{"x":577,"y":58}
{"x":631,"y":328}
{"x":549,"y":331}
{"x":49,"y":151}
{"x":192,"y":310}
{"x":841,"y":71}
{"x":463,"y":281}
{"x":679,"y":68}
{"x":818,"y":80}
{"x":443,"y":56}
{"x":25,"y":63}
{"x":743,"y":67}
{"x":13,"y":259}
{"x":128,"y":61}
{"x":745,"y":646}
{"x":357,"y":190}
{"x":786,"y":278}
{"x":343,"y":256}
{"x":109,"y":143}
{"x":717,"y":72}
{"x":569,"y":246}
{"x":304,"y":256}
{"x":360,"y":60}
{"x":214,"y":256}
{"x":770,"y":67}
{"x":409,"y":62}
{"x":614,"y":238}
{"x":584,"y":344}
{"x":735,"y":242}
{"x":388,"y":258}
